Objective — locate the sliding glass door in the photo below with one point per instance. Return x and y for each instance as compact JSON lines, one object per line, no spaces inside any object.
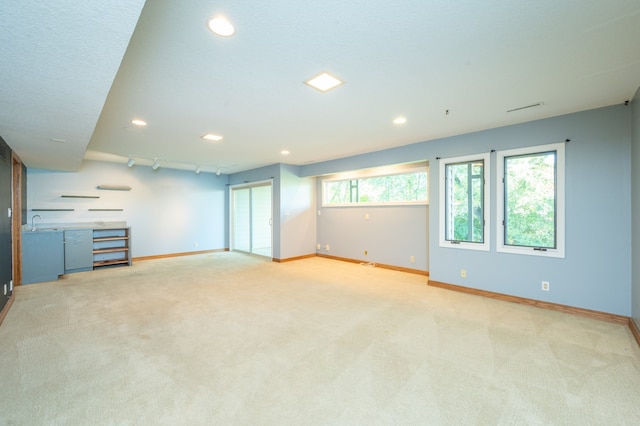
{"x":251,"y":208}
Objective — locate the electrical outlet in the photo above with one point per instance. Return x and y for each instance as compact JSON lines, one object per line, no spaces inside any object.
{"x":319,"y":247}
{"x":545,"y":285}
{"x":366,"y":252}
{"x":366,"y":216}
{"x":195,"y":244}
{"x":326,"y":247}
{"x":5,"y":289}
{"x":11,"y":285}
{"x":463,"y":273}
{"x":412,"y":259}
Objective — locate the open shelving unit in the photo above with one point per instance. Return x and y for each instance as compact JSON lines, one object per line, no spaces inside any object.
{"x":111,"y":247}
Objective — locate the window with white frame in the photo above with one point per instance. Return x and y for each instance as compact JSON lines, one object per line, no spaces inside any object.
{"x":464,"y":202}
{"x":531,"y":200}
{"x":381,"y":186}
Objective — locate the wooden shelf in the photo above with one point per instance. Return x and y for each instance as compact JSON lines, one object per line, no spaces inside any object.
{"x":111,"y":262}
{"x":111,"y":247}
{"x":98,"y":239}
{"x":111,"y":250}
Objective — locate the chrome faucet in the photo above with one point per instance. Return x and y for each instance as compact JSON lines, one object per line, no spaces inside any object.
{"x":33,"y":225}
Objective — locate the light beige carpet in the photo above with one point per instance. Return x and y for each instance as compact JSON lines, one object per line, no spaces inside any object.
{"x":228,"y":339}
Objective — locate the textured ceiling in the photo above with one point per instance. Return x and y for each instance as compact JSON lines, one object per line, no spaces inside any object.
{"x":59,"y":60}
{"x":413,"y":58}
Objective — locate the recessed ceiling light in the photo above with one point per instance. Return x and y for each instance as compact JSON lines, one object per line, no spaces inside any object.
{"x":284,"y":152}
{"x":324,"y":82}
{"x":138,"y":122}
{"x":399,"y":120}
{"x":212,"y":137}
{"x":221,"y":26}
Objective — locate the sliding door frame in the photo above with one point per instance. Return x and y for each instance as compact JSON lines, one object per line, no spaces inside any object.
{"x":250,"y":186}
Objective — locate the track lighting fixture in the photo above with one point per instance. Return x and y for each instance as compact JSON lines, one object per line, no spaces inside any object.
{"x":155,"y":165}
{"x":197,"y":170}
{"x":131,"y":162}
{"x":218,"y":172}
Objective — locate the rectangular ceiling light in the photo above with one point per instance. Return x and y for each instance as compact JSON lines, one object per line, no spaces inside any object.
{"x":324,"y":82}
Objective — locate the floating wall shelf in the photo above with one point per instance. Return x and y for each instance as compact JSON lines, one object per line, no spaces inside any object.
{"x":80,"y":196}
{"x":106,"y":210}
{"x":53,"y":210}
{"x":114,"y":187}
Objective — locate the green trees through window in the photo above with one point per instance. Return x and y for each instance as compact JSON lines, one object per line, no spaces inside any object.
{"x":408,"y":187}
{"x":465,"y":201}
{"x":530,"y":200}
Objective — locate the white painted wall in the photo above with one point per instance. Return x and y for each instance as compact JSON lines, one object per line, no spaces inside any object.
{"x":169,"y":211}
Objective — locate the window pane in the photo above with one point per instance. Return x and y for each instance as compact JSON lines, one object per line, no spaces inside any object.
{"x":337,"y":192}
{"x":530,"y":200}
{"x":464,"y":202}
{"x":397,"y":188}
{"x":393,"y":188}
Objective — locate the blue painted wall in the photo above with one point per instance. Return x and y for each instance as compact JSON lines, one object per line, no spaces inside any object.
{"x":169,"y":211}
{"x":294,"y":225}
{"x":596,"y":272}
{"x":297,"y":213}
{"x":391,"y":235}
{"x":635,"y":212}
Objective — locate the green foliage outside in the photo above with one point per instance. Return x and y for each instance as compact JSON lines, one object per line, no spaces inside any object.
{"x":405,"y":187}
{"x":530,"y":189}
{"x":338,"y":192}
{"x":465,"y":202}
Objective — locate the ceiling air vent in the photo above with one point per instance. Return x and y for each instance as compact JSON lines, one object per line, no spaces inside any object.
{"x":526,"y":106}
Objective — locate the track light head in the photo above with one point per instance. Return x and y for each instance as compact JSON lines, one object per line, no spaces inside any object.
{"x":155,"y":165}
{"x":197,"y":170}
{"x":131,"y":162}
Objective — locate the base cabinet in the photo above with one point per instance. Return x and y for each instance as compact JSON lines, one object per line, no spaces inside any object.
{"x":42,"y":256}
{"x":111,"y":247}
{"x":78,"y":244}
